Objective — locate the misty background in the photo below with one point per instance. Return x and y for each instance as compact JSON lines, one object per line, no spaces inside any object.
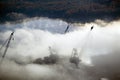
{"x":98,"y":49}
{"x":40,"y":24}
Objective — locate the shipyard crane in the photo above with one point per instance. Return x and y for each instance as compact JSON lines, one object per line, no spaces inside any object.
{"x":51,"y":59}
{"x":7,"y":46}
{"x":75,"y":57}
{"x":67,"y":28}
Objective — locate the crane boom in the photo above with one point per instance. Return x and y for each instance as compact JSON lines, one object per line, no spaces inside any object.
{"x":8,"y":43}
{"x":67,"y":29}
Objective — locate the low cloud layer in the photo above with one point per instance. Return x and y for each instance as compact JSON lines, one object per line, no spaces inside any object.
{"x":32,"y":39}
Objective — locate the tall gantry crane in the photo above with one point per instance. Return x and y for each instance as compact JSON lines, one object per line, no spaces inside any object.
{"x":75,"y":57}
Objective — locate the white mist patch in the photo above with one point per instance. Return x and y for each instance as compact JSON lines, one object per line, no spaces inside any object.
{"x":9,"y":70}
{"x":33,"y":42}
{"x":32,"y":39}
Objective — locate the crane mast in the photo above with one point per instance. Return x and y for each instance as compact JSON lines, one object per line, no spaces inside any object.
{"x":67,"y":28}
{"x":8,"y":43}
{"x":75,"y":56}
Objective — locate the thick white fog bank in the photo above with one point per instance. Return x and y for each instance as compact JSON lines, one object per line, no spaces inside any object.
{"x":32,"y":39}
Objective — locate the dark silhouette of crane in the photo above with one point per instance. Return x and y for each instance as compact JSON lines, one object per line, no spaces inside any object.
{"x":75,"y":57}
{"x":51,"y":59}
{"x":92,"y":28}
{"x":7,"y":46}
{"x":67,"y":28}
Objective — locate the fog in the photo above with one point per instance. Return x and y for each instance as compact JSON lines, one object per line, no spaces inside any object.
{"x":32,"y":38}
